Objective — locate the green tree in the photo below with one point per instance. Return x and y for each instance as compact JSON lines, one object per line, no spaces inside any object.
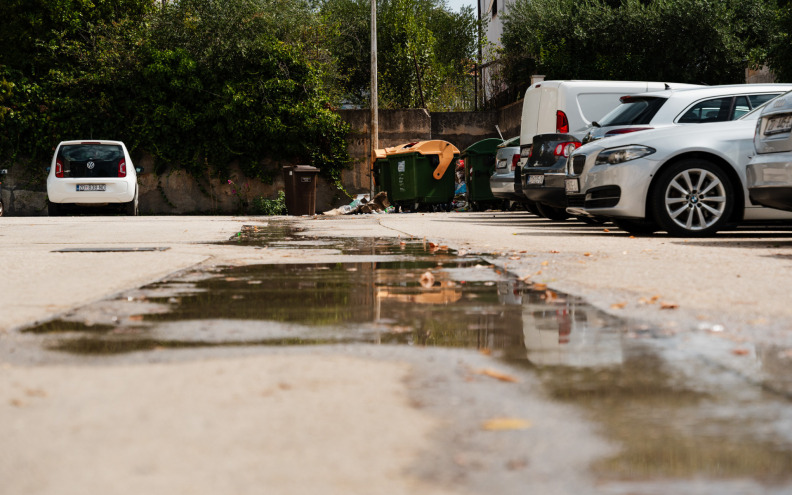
{"x":696,"y":41}
{"x":415,"y":39}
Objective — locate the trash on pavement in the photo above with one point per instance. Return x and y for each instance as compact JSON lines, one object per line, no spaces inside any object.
{"x":361,"y":204}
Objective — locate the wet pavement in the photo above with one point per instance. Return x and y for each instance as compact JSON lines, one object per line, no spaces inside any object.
{"x":677,"y":402}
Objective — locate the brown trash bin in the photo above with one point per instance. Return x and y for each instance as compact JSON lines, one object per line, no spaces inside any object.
{"x":300,"y":181}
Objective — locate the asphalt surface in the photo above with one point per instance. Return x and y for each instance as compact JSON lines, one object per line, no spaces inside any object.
{"x":355,"y":418}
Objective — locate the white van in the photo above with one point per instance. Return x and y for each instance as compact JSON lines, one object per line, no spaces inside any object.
{"x":568,"y":107}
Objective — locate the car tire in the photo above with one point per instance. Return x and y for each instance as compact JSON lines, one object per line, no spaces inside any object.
{"x":552,"y":213}
{"x":131,"y":208}
{"x":693,"y":198}
{"x":2,"y":208}
{"x":636,"y":227}
{"x":54,"y":209}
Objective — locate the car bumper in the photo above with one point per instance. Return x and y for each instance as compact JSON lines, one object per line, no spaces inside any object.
{"x":617,"y":190}
{"x":65,"y":191}
{"x":770,"y":180}
{"x":502,"y":186}
{"x":550,"y":191}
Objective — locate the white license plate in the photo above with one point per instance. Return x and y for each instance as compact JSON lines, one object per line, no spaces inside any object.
{"x":779,"y":124}
{"x":536,"y":179}
{"x":571,"y":185}
{"x":91,"y":187}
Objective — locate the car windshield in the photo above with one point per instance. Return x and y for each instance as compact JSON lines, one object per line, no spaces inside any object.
{"x":633,"y":111}
{"x":90,"y":159}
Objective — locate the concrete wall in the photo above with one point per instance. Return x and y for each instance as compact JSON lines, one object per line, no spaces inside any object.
{"x":177,"y":192}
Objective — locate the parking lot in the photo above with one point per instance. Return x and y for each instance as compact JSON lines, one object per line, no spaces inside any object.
{"x":703,"y":329}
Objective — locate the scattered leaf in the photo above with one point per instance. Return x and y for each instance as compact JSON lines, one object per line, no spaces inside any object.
{"x":606,"y":230}
{"x":545,"y":263}
{"x":486,"y":351}
{"x":550,"y":296}
{"x":668,"y":305}
{"x":497,"y":375}
{"x":501,"y":424}
{"x":427,"y":280}
{"x":135,"y":318}
{"x":741,"y":351}
{"x":618,"y":305}
{"x":514,"y":258}
{"x":586,"y":254}
{"x":553,"y":251}
{"x":539,"y":286}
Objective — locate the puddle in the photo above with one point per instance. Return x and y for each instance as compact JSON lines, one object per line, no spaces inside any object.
{"x":675,"y":414}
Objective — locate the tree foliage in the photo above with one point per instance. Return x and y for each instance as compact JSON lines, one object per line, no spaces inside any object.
{"x":198,"y":84}
{"x":424,"y":51}
{"x":695,"y":41}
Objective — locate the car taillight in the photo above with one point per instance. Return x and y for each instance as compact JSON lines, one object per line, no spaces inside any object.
{"x":626,"y":130}
{"x":59,"y":169}
{"x":122,"y":167}
{"x":515,"y":161}
{"x":565,"y":149}
{"x":562,"y":123}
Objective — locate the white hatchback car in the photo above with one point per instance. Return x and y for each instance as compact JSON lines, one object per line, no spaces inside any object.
{"x":686,"y":180}
{"x":96,"y":173}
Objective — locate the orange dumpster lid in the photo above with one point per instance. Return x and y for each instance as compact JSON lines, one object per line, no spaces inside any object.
{"x":443,"y":149}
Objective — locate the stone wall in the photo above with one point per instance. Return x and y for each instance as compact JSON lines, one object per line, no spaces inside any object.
{"x":178,"y":193}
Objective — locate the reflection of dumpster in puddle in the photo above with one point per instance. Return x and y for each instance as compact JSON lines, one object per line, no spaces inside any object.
{"x":444,"y":292}
{"x":568,"y":333}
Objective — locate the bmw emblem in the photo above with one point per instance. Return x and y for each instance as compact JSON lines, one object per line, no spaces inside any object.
{"x":90,"y":165}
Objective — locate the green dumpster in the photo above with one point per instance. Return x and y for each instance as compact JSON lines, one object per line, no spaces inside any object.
{"x":379,"y":168}
{"x":422,"y":175}
{"x":479,"y":159}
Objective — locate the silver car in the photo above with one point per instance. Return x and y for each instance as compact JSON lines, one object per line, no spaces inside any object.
{"x":686,"y":180}
{"x":682,"y":106}
{"x":502,"y":181}
{"x":770,"y":170}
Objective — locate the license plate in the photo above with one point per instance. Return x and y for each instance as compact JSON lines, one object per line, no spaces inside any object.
{"x":91,"y":187}
{"x":571,"y":185}
{"x":779,"y":124}
{"x":536,"y":179}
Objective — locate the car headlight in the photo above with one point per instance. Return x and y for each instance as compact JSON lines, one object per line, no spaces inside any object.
{"x":612,"y":156}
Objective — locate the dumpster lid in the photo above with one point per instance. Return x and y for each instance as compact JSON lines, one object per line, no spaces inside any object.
{"x":446,"y":151}
{"x":305,"y":168}
{"x":381,"y":153}
{"x":487,"y":146}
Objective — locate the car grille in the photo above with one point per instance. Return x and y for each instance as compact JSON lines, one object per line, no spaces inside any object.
{"x":578,"y":162}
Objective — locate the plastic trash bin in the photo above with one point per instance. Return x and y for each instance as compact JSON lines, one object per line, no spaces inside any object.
{"x":300,"y":182}
{"x":421,"y":175}
{"x":379,"y":168}
{"x":479,"y":166}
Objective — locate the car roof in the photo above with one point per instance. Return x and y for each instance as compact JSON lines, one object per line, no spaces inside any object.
{"x":90,"y":141}
{"x":720,"y":90}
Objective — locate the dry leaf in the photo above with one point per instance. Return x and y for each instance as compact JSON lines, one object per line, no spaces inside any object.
{"x":514,"y":258}
{"x":500,"y":424}
{"x":741,"y":352}
{"x":427,"y":280}
{"x":553,"y":251}
{"x":486,"y":351}
{"x":550,"y":296}
{"x":606,"y":230}
{"x":618,"y":305}
{"x":668,"y":305}
{"x":497,"y":375}
{"x":586,"y":254}
{"x":539,"y":286}
{"x":545,"y":263}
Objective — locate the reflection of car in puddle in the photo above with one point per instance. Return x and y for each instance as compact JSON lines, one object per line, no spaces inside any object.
{"x":570,"y":334}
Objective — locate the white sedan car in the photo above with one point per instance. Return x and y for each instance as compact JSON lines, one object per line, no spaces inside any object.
{"x":686,"y":180}
{"x":96,"y":173}
{"x":770,"y":170}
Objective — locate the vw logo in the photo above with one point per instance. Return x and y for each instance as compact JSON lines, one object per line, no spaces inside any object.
{"x":90,"y":165}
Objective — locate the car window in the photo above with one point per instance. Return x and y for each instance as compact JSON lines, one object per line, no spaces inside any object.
{"x":753,"y":114}
{"x":633,"y":111}
{"x":90,"y":160}
{"x":741,"y":107}
{"x":758,"y":100}
{"x":714,"y":110}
